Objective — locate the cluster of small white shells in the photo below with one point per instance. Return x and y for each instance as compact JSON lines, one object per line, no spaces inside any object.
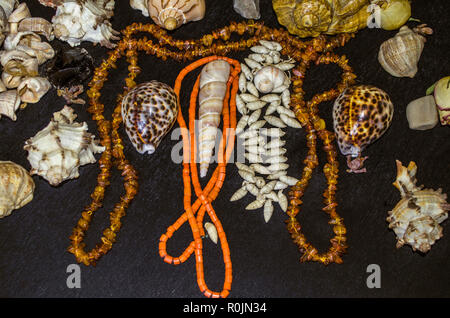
{"x":264,"y":93}
{"x":22,"y":52}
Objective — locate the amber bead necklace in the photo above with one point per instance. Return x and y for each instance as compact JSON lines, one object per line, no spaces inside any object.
{"x":217,"y":43}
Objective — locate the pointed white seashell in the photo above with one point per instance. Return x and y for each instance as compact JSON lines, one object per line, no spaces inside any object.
{"x":272,"y":132}
{"x":255,"y":205}
{"x":256,"y":105}
{"x":254,"y":149}
{"x":253,"y":141}
{"x":260,"y":168}
{"x":281,"y":89}
{"x":257,"y":57}
{"x":242,"y":166}
{"x":282,"y":200}
{"x":276,"y":143}
{"x":278,"y":167}
{"x":57,"y":151}
{"x":31,"y":89}
{"x":252,"y":189}
{"x":253,"y":158}
{"x":9,"y":103}
{"x":247,"y":72}
{"x":276,"y":159}
{"x":272,"y":108}
{"x":284,"y":66}
{"x":270,"y":98}
{"x":239,"y":194}
{"x":275,"y":152}
{"x":242,"y":123}
{"x":268,"y":210}
{"x":213,"y":79}
{"x":248,"y":134}
{"x":260,"y":49}
{"x":242,"y":83}
{"x":289,"y":180}
{"x":271,"y":45}
{"x":254,"y":116}
{"x":212,"y":231}
{"x":252,"y":64}
{"x":252,"y":89}
{"x":276,"y":57}
{"x":268,"y":187}
{"x":280,"y":185}
{"x":276,"y":175}
{"x":275,"y":121}
{"x":272,"y":196}
{"x":240,"y":105}
{"x":259,"y":182}
{"x":291,"y":122}
{"x":246,"y":175}
{"x":286,"y":98}
{"x":248,"y":97}
{"x":283,"y":110}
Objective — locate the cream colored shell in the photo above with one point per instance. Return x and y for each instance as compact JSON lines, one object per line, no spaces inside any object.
{"x":16,"y":187}
{"x":400,"y":55}
{"x":415,"y":219}
{"x":57,"y":151}
{"x":171,"y":14}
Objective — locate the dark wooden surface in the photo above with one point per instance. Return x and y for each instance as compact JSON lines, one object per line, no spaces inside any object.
{"x":34,"y":239}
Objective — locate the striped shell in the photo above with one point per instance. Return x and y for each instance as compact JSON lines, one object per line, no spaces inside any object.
{"x":149,"y":111}
{"x":361,"y":115}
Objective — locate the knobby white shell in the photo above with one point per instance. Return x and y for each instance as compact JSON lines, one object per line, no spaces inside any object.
{"x":57,"y":151}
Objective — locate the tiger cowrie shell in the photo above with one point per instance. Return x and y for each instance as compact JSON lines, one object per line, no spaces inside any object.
{"x":291,"y":122}
{"x":275,"y":121}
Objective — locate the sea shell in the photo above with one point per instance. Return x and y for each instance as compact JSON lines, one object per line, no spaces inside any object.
{"x":415,"y":219}
{"x":57,"y":151}
{"x":31,"y":89}
{"x":9,"y":103}
{"x":269,"y":78}
{"x":212,"y":231}
{"x":361,"y":115}
{"x":8,"y":6}
{"x":21,"y":12}
{"x":16,"y":187}
{"x":37,"y":25}
{"x":171,"y":14}
{"x":149,"y":111}
{"x":85,"y":20}
{"x":442,"y":98}
{"x":307,"y":18}
{"x":400,"y":55}
{"x":70,"y":67}
{"x":213,"y":85}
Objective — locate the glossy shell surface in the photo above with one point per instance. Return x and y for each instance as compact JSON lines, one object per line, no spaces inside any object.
{"x":149,"y":111}
{"x":361,"y":115}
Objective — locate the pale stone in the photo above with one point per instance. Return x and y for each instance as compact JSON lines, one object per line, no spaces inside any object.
{"x":249,"y":9}
{"x":422,"y":113}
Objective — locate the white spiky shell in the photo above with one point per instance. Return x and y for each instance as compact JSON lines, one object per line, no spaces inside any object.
{"x":16,"y":187}
{"x":78,"y":21}
{"x":415,"y":219}
{"x":57,"y":151}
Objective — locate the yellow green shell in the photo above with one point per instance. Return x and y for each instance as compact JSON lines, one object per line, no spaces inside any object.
{"x":307,"y":18}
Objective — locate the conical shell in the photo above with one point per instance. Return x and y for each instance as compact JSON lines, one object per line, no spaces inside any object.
{"x":57,"y":151}
{"x":16,"y":187}
{"x":213,"y":79}
{"x":172,"y":14}
{"x":400,"y":55}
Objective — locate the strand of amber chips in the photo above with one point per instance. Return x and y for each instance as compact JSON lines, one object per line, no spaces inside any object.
{"x":315,"y":51}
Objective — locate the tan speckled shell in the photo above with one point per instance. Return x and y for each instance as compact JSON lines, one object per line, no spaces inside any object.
{"x":400,"y":55}
{"x":149,"y":111}
{"x":307,"y":18}
{"x":16,"y":187}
